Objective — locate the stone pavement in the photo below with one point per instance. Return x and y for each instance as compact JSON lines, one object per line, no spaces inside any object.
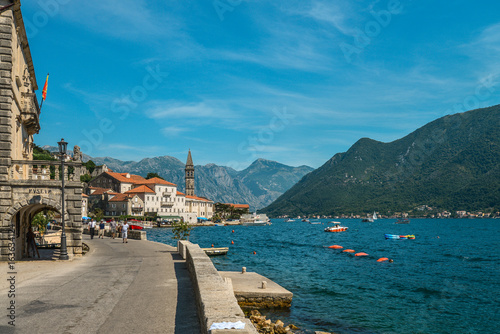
{"x":136,"y":287}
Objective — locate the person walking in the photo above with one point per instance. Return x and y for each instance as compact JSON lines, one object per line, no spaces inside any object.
{"x":125,"y":232}
{"x":112,"y":225}
{"x":101,"y":229}
{"x":91,"y":228}
{"x":30,"y":239}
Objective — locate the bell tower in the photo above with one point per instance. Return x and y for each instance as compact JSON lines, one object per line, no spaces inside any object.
{"x":189,"y":175}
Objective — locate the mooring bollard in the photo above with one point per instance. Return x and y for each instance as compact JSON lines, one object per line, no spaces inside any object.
{"x":264,"y":285}
{"x":243,"y":270}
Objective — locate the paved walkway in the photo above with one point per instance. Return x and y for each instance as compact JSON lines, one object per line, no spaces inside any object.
{"x":136,"y":287}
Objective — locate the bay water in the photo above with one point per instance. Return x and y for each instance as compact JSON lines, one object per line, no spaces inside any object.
{"x":447,"y":280}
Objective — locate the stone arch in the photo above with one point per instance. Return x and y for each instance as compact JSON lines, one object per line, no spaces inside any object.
{"x":20,"y":214}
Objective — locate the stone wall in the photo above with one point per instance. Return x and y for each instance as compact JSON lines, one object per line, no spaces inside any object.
{"x":214,"y":296}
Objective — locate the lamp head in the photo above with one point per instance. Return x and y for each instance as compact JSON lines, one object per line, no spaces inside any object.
{"x":62,"y":146}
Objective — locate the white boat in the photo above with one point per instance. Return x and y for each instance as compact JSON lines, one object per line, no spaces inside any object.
{"x":254,"y":220}
{"x":336,"y":227}
{"x":374,"y":216}
{"x":289,"y":220}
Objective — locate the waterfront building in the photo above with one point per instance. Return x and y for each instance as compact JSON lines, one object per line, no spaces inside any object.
{"x":27,"y":186}
{"x":119,"y":182}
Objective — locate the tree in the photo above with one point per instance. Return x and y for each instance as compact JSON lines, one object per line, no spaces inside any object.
{"x":181,"y":230}
{"x":41,"y":220}
{"x":152,"y":175}
{"x":90,"y":165}
{"x":85,"y":178}
{"x":97,"y":214}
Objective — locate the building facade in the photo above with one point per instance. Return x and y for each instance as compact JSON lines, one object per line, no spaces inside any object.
{"x":27,"y":186}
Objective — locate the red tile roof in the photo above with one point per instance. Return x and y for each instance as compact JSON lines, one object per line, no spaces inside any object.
{"x":199,"y":198}
{"x":156,"y":180}
{"x":119,"y":198}
{"x":84,"y":195}
{"x":122,"y":177}
{"x":140,"y":190}
{"x":99,"y":191}
{"x":180,"y":194}
{"x":239,"y":206}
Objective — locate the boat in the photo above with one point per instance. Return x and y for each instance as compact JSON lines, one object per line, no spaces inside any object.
{"x":314,"y":223}
{"x":305,"y":220}
{"x":216,"y":251}
{"x":289,"y":220}
{"x":367,"y":220}
{"x":399,"y":237}
{"x":402,"y":221}
{"x":336,"y":228}
{"x":254,"y":220}
{"x":374,"y":216}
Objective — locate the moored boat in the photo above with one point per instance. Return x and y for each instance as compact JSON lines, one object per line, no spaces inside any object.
{"x":399,"y":237}
{"x":336,"y":228}
{"x":402,"y":221}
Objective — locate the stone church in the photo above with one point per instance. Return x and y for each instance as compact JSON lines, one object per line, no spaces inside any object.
{"x":28,"y":186}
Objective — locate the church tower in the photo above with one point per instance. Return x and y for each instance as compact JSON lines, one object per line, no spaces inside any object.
{"x":189,"y":175}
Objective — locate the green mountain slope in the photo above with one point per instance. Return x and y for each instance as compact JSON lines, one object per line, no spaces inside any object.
{"x":451,"y":163}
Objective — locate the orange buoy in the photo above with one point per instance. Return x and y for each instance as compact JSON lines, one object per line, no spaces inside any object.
{"x":360,"y":254}
{"x":335,"y":247}
{"x":212,"y":245}
{"x":232,"y":242}
{"x":382,"y":259}
{"x":233,"y":231}
{"x":349,"y":250}
{"x":254,"y":252}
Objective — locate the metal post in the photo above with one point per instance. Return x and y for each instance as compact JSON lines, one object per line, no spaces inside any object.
{"x":64,"y":251}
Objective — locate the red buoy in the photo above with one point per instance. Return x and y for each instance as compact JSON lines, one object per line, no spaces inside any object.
{"x":382,"y":259}
{"x":349,"y":250}
{"x":232,"y":242}
{"x":360,"y":254}
{"x":335,"y":247}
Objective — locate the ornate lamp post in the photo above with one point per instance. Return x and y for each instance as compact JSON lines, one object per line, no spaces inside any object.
{"x":62,"y":152}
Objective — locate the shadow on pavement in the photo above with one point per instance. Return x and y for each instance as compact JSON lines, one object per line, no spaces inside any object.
{"x":186,"y":317}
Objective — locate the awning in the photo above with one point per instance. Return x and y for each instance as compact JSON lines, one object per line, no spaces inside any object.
{"x":86,"y":217}
{"x":202,"y":218}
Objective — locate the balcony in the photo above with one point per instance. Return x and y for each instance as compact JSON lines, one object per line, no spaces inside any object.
{"x":167,"y":202}
{"x":30,"y":112}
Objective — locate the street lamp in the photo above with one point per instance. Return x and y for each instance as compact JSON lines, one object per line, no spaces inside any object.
{"x":62,"y":152}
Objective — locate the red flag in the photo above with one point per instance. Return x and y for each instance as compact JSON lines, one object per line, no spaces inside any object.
{"x":44,"y":91}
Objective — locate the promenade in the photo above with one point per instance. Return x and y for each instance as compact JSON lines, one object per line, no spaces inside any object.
{"x":136,"y":287}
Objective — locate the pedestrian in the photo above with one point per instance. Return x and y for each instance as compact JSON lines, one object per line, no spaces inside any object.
{"x":91,"y":228}
{"x":112,"y":225}
{"x":124,"y":232}
{"x":30,"y":240}
{"x":101,"y":229}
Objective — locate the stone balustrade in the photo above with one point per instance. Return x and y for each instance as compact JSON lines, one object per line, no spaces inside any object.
{"x":44,"y":170}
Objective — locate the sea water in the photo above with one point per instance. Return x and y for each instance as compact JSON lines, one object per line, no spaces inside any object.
{"x":447,"y":280}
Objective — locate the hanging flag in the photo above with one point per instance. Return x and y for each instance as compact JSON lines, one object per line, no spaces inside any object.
{"x":44,"y":91}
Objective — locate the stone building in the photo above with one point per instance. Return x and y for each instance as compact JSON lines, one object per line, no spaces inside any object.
{"x":189,"y":175}
{"x":26,"y":186}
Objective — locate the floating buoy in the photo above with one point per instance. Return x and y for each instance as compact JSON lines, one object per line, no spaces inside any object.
{"x":335,"y":247}
{"x":382,"y":259}
{"x":212,"y":245}
{"x":233,"y":231}
{"x":361,"y":254}
{"x":254,"y":252}
{"x":349,"y":250}
{"x":232,"y":242}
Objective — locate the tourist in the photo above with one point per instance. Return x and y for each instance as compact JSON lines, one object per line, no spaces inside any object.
{"x":30,"y":240}
{"x":101,"y":229}
{"x":124,"y":232}
{"x":112,"y":226}
{"x":91,"y":228}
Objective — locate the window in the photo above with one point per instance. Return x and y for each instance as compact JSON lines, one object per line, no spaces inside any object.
{"x":136,"y":199}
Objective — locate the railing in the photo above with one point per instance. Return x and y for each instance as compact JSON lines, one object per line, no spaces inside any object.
{"x":44,"y":170}
{"x":167,"y":202}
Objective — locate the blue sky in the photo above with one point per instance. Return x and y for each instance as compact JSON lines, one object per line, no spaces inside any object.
{"x":291,"y":81}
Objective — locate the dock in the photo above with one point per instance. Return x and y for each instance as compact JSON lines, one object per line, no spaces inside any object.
{"x":256,"y":291}
{"x":216,"y":251}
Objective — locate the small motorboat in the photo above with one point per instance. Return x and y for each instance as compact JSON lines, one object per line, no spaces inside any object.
{"x":399,"y":237}
{"x":336,"y":228}
{"x":402,"y":221}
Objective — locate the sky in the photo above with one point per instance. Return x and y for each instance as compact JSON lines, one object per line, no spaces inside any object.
{"x":293,"y":81}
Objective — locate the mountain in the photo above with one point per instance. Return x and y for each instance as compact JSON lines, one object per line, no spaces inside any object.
{"x":258,"y":185}
{"x":452,"y":163}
